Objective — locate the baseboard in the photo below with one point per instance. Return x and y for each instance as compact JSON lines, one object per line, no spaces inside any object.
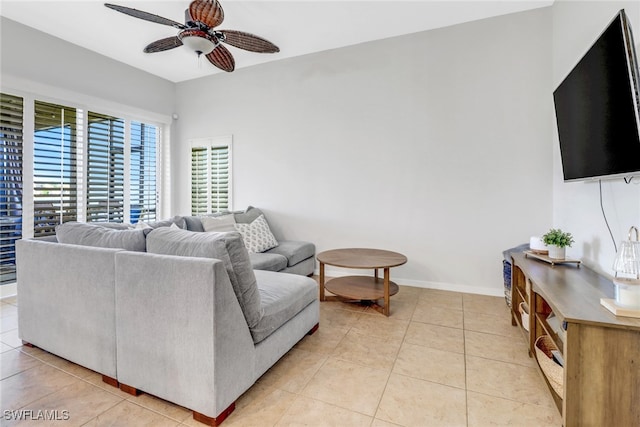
{"x":9,"y":290}
{"x":454,"y":287}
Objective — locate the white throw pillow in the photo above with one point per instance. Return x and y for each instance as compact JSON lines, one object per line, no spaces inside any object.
{"x":218,"y":223}
{"x":257,"y":236}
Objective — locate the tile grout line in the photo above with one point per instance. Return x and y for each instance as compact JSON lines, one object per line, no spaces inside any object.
{"x":464,"y":348}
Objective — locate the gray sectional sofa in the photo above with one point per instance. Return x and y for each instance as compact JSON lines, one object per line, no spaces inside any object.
{"x":186,"y":318}
{"x":289,"y":256}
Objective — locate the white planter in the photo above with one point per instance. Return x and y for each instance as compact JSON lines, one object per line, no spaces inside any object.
{"x":556,"y":252}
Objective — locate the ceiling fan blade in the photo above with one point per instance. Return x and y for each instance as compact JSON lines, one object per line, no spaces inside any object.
{"x":163,"y":44}
{"x":209,"y":12}
{"x":222,"y":58}
{"x":249,"y":42}
{"x":145,"y":15}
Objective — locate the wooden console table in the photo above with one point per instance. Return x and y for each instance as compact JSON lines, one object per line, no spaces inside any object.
{"x":601,"y":351}
{"x":361,"y":288}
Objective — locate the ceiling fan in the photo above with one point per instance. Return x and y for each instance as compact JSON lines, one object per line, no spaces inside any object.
{"x":199,"y":35}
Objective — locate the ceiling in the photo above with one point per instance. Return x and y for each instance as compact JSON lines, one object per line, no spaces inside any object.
{"x":297,"y":27}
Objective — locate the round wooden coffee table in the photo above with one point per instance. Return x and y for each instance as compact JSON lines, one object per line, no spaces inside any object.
{"x":361,"y":288}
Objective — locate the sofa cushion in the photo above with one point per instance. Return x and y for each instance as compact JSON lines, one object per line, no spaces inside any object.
{"x":294,"y":251}
{"x":257,"y":235}
{"x":227,"y":247}
{"x":218,"y":223}
{"x":193,"y":223}
{"x":248,"y":216}
{"x":282,"y":296}
{"x":115,"y":225}
{"x":85,"y":234}
{"x":268,"y":261}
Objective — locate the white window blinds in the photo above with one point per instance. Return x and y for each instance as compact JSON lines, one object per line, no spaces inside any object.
{"x":199,"y":181}
{"x":11,"y":110}
{"x":55,"y":169}
{"x":143,"y":168}
{"x":210,"y":176}
{"x":105,"y":168}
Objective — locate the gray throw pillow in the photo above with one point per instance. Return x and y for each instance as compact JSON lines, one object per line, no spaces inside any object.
{"x":218,"y":223}
{"x":225,"y":246}
{"x":248,"y":216}
{"x":85,"y":234}
{"x":194,"y":223}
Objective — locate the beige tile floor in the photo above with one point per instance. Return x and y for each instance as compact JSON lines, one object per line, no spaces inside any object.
{"x":441,"y":359}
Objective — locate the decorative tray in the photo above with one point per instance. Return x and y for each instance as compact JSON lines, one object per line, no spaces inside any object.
{"x":551,"y":261}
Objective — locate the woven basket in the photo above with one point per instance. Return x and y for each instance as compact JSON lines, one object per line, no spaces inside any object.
{"x":550,"y":369}
{"x":524,"y":315}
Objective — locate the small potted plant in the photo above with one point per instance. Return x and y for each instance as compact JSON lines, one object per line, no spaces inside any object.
{"x":557,"y":241}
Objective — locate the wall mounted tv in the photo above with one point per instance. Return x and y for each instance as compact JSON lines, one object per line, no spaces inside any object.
{"x":597,"y":109}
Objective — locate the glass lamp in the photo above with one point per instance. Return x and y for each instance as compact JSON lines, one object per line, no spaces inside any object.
{"x":198,"y":41}
{"x":627,"y":272}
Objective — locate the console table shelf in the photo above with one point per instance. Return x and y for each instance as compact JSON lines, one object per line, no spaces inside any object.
{"x":601,"y":351}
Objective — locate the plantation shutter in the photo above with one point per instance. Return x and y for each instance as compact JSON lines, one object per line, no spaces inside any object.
{"x":219,"y":190}
{"x":105,"y":168}
{"x":55,"y":177}
{"x":199,"y":181}
{"x":210,"y":179}
{"x":11,"y":109}
{"x":143,"y":189}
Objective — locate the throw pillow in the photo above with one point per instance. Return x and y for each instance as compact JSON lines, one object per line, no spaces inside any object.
{"x":175,"y":222}
{"x":257,"y":235}
{"x":218,"y":223}
{"x":248,"y":216}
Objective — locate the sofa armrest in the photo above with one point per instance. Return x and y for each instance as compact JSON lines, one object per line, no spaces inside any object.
{"x":181,"y":333}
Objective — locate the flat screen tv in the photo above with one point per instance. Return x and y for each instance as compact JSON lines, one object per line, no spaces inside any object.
{"x":597,"y":109}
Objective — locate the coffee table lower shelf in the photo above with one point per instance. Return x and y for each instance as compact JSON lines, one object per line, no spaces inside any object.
{"x":362,"y":288}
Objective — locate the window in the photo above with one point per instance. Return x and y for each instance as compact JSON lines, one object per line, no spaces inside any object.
{"x":143,"y":166}
{"x":210,"y":175}
{"x":105,"y":169}
{"x":11,"y":108}
{"x":55,"y":166}
{"x":80,"y":165}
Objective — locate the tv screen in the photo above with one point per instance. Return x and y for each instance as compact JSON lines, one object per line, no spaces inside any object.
{"x":597,"y":109}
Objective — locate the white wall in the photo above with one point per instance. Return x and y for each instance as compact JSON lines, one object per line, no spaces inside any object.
{"x":436,"y":145}
{"x":576,"y":205}
{"x":32,"y":61}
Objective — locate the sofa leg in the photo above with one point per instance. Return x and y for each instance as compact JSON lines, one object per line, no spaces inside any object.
{"x":27,"y":344}
{"x":211,"y":421}
{"x":131,"y":390}
{"x":111,"y":381}
{"x":314,"y":329}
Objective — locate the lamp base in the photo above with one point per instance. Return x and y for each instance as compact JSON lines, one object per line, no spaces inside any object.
{"x":618,"y":310}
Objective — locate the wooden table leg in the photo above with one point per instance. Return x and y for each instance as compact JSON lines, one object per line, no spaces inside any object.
{"x":375,"y":272}
{"x":321,"y":281}
{"x":387,"y":298}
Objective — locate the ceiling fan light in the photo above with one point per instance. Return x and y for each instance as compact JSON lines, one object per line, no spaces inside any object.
{"x":198,"y":41}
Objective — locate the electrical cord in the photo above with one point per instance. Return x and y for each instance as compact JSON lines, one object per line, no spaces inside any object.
{"x":605,"y":218}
